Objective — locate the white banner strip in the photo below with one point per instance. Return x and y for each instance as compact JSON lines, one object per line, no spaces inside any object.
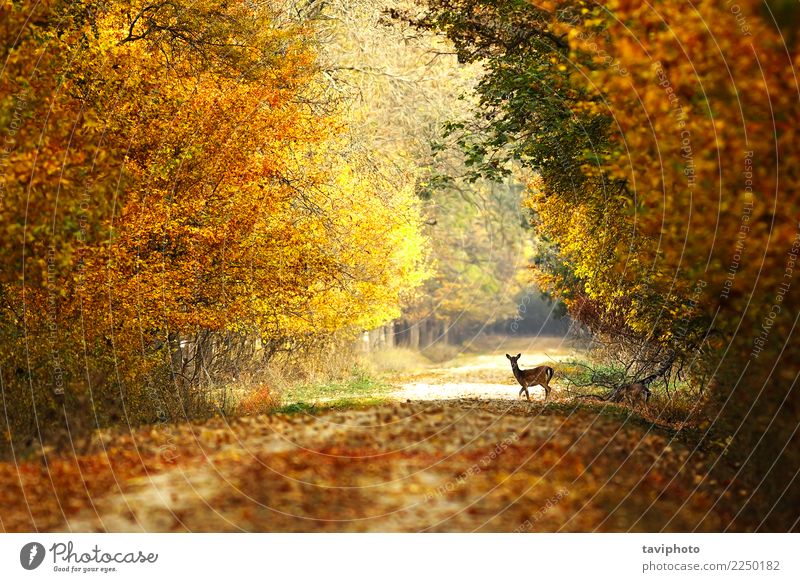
{"x":401,"y":557}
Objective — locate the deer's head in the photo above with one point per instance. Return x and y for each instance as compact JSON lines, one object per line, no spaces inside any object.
{"x":514,"y":359}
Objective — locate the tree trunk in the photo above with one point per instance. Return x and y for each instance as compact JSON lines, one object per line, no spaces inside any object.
{"x":427,"y":333}
{"x":381,"y":337}
{"x":389,"y":334}
{"x":373,"y":340}
{"x":445,"y":337}
{"x":413,"y":335}
{"x":377,"y":339}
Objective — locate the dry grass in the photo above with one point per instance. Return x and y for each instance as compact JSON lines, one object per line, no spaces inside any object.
{"x":259,"y":401}
{"x":394,"y":360}
{"x":440,"y":353}
{"x":334,"y":377}
{"x":556,"y":347}
{"x":680,"y":407}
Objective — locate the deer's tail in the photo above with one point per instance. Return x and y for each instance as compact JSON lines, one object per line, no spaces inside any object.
{"x":550,"y":373}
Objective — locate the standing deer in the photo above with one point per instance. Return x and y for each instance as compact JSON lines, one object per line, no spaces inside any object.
{"x":538,"y":376}
{"x":635,"y":393}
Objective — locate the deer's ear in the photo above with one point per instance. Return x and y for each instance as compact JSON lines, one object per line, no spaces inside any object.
{"x":509,"y":357}
{"x":519,"y":356}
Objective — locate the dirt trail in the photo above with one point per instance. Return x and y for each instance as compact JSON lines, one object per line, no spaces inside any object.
{"x":485,"y":375}
{"x":448,"y":460}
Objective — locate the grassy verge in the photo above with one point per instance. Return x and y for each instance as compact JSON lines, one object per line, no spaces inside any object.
{"x":356,"y":392}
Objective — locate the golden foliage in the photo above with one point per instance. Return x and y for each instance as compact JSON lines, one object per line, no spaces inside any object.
{"x":178,"y":169}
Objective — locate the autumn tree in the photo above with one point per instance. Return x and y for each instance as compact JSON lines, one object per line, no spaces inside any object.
{"x":179,"y":190}
{"x":662,"y":139}
{"x":402,"y":85}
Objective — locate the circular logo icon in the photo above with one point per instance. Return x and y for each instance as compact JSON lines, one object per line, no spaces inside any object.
{"x":31,"y":555}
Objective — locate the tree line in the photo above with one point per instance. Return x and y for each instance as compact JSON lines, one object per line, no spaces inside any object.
{"x":180,"y":194}
{"x":661,"y":141}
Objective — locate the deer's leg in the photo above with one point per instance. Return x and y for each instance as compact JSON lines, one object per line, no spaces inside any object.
{"x":546,"y":391}
{"x":521,"y":390}
{"x":527,"y":394}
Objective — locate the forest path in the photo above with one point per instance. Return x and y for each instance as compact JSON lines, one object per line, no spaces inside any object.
{"x":459,"y":463}
{"x":486,"y":374}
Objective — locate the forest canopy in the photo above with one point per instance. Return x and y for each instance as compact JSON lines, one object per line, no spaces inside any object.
{"x":662,"y":143}
{"x":174,"y":173}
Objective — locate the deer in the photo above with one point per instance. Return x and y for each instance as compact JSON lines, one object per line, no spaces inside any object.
{"x":636,"y":392}
{"x":538,"y":376}
{"x":639,"y":391}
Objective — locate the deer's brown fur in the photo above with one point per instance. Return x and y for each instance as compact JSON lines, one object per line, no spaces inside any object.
{"x":538,"y":376}
{"x":636,"y":392}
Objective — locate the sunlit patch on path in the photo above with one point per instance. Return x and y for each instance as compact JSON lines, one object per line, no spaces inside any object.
{"x":486,"y":376}
{"x":456,"y":390}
